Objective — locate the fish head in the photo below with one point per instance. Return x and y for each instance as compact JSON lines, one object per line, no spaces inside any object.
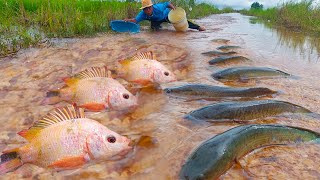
{"x":219,"y":77}
{"x":121,"y":99}
{"x":163,"y":75}
{"x":105,"y":144}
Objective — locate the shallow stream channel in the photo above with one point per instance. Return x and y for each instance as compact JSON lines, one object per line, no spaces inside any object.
{"x":164,"y":138}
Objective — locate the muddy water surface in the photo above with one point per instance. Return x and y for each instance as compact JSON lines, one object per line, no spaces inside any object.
{"x":167,"y":138}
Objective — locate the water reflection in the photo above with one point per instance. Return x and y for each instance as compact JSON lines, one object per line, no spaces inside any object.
{"x":307,"y":45}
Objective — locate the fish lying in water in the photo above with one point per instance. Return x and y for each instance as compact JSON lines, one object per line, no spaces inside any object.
{"x":203,"y":91}
{"x":220,"y":40}
{"x":217,"y":154}
{"x":246,"y":110}
{"x":94,"y":89}
{"x":227,"y":48}
{"x":143,"y":69}
{"x":218,"y":53}
{"x":65,"y":139}
{"x":225,"y":59}
{"x":247,"y":73}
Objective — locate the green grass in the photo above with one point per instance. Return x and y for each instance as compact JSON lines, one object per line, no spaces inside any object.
{"x":299,"y":16}
{"x":24,"y":23}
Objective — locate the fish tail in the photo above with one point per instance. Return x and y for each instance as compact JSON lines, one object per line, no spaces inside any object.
{"x":10,"y":161}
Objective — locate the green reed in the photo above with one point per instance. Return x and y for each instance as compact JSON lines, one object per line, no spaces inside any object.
{"x":299,"y":16}
{"x":25,"y":23}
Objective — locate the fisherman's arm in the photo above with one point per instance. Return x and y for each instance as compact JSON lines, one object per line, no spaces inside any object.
{"x":131,"y":20}
{"x":138,"y":18}
{"x":171,"y":6}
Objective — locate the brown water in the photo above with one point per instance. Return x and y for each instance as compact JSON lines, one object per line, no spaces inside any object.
{"x":25,"y":79}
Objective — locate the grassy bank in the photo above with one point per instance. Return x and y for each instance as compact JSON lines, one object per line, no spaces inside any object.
{"x":299,"y":16}
{"x":25,"y":23}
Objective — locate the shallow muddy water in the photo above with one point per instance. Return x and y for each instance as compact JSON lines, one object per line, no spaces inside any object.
{"x":169,"y":138}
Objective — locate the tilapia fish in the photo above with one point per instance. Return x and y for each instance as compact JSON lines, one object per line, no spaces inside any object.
{"x":65,"y":139}
{"x":226,"y":59}
{"x":216,"y":155}
{"x":143,"y":69}
{"x":207,"y":91}
{"x":94,"y":89}
{"x":246,"y":110}
{"x":247,"y":73}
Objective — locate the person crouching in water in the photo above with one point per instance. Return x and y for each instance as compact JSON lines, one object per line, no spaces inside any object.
{"x":157,"y":14}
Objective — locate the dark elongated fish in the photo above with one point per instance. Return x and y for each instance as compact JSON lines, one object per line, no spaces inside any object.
{"x":217,"y":154}
{"x":245,"y":73}
{"x":218,"y":53}
{"x":246,"y":110}
{"x":207,"y":91}
{"x":227,"y":48}
{"x":225,"y":59}
{"x":220,"y":40}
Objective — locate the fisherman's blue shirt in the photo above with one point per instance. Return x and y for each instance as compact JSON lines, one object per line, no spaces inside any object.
{"x":160,"y":12}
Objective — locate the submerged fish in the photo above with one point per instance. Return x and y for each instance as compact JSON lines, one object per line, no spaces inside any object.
{"x":65,"y":139}
{"x":218,"y":53}
{"x":227,"y":48}
{"x":217,"y":154}
{"x":94,"y":89}
{"x":220,"y":40}
{"x":245,"y":73}
{"x":143,"y":69}
{"x":246,"y":110}
{"x":208,"y":91}
{"x":223,"y":59}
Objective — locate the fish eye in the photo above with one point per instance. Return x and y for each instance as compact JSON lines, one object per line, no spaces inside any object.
{"x":111,"y":139}
{"x":126,"y":96}
{"x":166,"y":73}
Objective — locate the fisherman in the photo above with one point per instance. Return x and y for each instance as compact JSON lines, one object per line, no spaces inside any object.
{"x":157,"y":14}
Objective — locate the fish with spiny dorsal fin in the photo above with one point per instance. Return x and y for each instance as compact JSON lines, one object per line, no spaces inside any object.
{"x":94,"y":89}
{"x":144,"y":70}
{"x":65,"y":139}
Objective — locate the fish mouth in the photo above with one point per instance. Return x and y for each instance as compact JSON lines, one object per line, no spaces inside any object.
{"x":167,"y":90}
{"x":125,"y":151}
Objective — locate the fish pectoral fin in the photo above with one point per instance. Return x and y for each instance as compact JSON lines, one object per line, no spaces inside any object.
{"x":68,"y":162}
{"x":93,"y":106}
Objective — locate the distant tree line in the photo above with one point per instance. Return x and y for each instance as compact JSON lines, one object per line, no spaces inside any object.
{"x":256,"y":5}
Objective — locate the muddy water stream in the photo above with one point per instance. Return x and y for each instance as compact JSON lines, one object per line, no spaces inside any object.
{"x":25,"y":79}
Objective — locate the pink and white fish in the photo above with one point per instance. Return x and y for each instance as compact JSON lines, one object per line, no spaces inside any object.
{"x":94,"y":89}
{"x":65,"y":139}
{"x":143,"y":69}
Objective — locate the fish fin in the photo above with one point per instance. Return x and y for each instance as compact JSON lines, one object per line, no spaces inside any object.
{"x":71,"y":81}
{"x":143,"y":56}
{"x":53,"y":117}
{"x":68,"y":162}
{"x":94,"y":72}
{"x":10,"y":161}
{"x":93,"y":106}
{"x":29,"y":134}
